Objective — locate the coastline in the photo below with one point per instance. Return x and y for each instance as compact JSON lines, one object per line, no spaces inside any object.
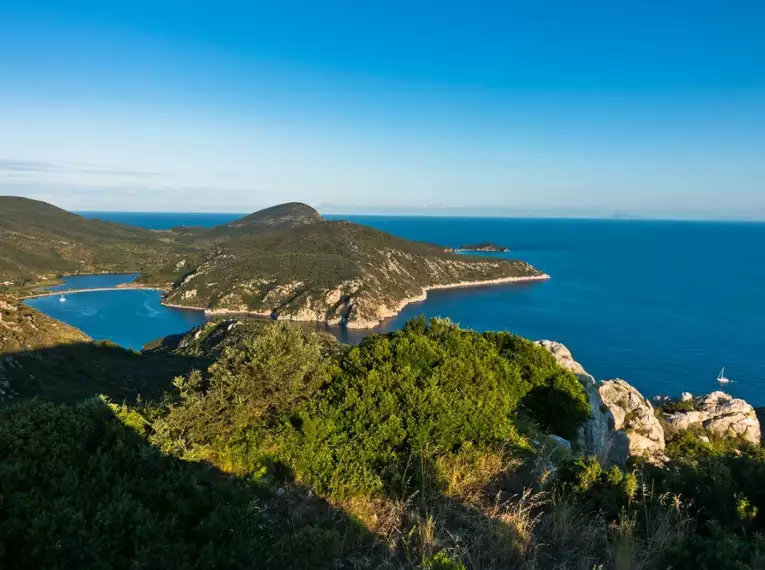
{"x":390,"y":313}
{"x":123,"y":287}
{"x":386,"y":313}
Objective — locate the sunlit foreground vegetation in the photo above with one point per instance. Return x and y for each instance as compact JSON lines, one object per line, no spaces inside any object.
{"x":425,"y":448}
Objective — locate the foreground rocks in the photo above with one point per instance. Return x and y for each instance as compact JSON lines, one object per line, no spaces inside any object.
{"x":598,"y":436}
{"x":718,"y":414}
{"x":634,"y":415}
{"x":623,"y":422}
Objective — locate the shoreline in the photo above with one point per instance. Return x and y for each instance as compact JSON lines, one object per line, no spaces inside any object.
{"x":391,"y":313}
{"x":362,"y":325}
{"x":93,"y":290}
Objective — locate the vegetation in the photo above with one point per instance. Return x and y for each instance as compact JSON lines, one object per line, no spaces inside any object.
{"x":278,"y":447}
{"x":286,"y":259}
{"x":39,"y":241}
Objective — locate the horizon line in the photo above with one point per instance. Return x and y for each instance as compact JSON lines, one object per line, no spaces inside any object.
{"x":540,"y":216}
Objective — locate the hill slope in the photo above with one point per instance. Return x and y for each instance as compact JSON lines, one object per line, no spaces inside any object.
{"x":39,"y":241}
{"x":285,"y":261}
{"x":331,"y":271}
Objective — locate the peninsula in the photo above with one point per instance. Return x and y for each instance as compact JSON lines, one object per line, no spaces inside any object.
{"x":284,"y":262}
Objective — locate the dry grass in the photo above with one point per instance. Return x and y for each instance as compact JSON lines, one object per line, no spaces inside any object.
{"x":490,"y":529}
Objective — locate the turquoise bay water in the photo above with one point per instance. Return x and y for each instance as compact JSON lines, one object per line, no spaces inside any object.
{"x":128,"y":317}
{"x":661,"y":304}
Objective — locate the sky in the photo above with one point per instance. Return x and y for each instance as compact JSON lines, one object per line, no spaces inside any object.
{"x":516,"y":108}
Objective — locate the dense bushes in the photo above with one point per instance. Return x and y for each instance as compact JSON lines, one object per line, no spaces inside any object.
{"x":376,"y":419}
{"x":82,"y":490}
{"x":254,"y":381}
{"x":717,"y":484}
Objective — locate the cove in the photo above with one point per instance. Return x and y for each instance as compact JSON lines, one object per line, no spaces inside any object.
{"x":128,"y":317}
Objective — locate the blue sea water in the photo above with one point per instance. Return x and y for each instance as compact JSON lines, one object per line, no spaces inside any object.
{"x":661,"y":304}
{"x":128,"y":317}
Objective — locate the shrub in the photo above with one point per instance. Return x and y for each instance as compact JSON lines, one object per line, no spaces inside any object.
{"x":82,"y":490}
{"x":402,"y":400}
{"x":254,"y":381}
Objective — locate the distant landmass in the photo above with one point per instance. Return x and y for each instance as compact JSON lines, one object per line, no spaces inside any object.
{"x":485,"y":247}
{"x":283,"y":262}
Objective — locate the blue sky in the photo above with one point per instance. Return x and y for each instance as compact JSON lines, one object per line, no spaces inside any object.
{"x":435,"y":107}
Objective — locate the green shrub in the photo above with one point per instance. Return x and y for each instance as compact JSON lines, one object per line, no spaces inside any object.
{"x":254,"y":381}
{"x":556,"y":399}
{"x":403,"y":399}
{"x":82,"y":490}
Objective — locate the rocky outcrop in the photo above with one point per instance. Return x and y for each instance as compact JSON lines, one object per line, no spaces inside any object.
{"x":598,"y":436}
{"x":718,"y":414}
{"x":634,"y":415}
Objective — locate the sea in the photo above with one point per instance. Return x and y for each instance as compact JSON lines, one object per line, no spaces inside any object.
{"x":662,"y":304}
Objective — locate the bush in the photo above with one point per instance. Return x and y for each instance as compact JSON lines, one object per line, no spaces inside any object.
{"x":402,"y":400}
{"x":82,"y":490}
{"x":556,"y":399}
{"x":254,"y":381}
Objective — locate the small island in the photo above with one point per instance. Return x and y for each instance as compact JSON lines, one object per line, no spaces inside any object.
{"x":484,"y":247}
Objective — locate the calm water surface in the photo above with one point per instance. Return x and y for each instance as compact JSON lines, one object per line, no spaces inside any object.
{"x":93,"y":281}
{"x":661,"y":304}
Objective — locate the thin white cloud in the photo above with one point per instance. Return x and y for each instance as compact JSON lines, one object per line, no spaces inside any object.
{"x":42,"y":167}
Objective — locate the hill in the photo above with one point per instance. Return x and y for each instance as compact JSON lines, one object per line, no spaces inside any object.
{"x":39,"y":241}
{"x":331,"y":271}
{"x":285,"y":261}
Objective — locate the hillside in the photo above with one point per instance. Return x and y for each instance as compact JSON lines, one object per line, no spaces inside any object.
{"x":429,"y":448}
{"x":285,"y":261}
{"x":315,"y":270}
{"x":39,"y":241}
{"x":23,"y":328}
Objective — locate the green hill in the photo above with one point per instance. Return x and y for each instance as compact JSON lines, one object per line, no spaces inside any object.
{"x":39,"y":241}
{"x":331,"y":271}
{"x":285,"y":261}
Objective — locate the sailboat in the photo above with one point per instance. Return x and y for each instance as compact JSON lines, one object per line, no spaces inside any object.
{"x":721,"y":377}
{"x":62,"y":299}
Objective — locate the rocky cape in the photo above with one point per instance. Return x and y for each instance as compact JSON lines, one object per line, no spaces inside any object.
{"x":310,"y":269}
{"x":484,"y":247}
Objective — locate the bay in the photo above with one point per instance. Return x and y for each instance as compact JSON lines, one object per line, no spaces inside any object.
{"x":661,"y":304}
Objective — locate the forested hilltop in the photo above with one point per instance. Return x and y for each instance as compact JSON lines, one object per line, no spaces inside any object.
{"x":431,"y":447}
{"x":285,"y":261}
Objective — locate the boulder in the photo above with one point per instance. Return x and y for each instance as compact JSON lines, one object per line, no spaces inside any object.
{"x":718,"y":414}
{"x":686,"y":397}
{"x":662,"y":399}
{"x":598,"y":436}
{"x":634,"y":415}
